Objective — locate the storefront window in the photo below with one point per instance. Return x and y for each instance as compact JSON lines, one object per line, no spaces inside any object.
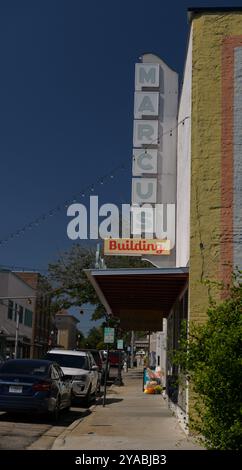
{"x":28,"y":317}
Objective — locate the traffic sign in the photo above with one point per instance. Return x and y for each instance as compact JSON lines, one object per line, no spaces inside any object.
{"x":108,"y":335}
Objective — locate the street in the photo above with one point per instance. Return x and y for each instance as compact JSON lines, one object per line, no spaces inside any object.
{"x":20,"y":431}
{"x":38,"y":432}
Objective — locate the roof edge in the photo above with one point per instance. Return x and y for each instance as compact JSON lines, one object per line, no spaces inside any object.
{"x":135,"y":271}
{"x":193,"y":11}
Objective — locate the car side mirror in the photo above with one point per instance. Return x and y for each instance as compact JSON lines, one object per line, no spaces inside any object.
{"x":94,"y":368}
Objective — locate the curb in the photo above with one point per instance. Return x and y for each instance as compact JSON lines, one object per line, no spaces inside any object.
{"x":73,"y":425}
{"x":46,"y":441}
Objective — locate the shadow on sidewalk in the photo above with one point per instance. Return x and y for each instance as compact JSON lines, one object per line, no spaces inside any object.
{"x":109,"y":401}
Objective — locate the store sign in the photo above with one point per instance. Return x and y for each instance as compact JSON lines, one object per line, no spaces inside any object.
{"x":154,"y":151}
{"x":136,"y":246}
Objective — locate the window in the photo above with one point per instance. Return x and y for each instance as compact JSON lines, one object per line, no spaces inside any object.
{"x":59,"y":370}
{"x":15,"y":312}
{"x":69,"y":360}
{"x":54,"y":373}
{"x":10,"y":309}
{"x":21,"y":313}
{"x":29,"y":367}
{"x":28,"y":317}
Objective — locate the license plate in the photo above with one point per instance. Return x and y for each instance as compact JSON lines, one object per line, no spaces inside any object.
{"x":15,"y":389}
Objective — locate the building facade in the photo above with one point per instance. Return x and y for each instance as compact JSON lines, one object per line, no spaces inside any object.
{"x":209,"y":160}
{"x":43,"y":324}
{"x":17,"y":300}
{"x":208,"y":241}
{"x":66,"y":330}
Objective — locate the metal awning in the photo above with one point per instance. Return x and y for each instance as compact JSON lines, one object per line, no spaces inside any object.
{"x":139,"y":297}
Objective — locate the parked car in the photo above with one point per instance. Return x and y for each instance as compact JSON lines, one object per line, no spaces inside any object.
{"x":81,"y":369}
{"x":33,"y":385}
{"x":113,"y":358}
{"x":100,"y":361}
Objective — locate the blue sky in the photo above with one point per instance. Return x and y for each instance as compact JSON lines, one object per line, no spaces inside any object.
{"x":66,"y":106}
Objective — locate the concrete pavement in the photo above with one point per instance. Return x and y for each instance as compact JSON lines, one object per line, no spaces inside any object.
{"x":131,"y":420}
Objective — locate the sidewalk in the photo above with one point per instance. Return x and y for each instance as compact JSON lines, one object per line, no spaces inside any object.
{"x":131,"y":420}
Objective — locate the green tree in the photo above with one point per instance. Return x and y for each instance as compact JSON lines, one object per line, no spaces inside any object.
{"x":211,"y":356}
{"x":70,"y":285}
{"x":94,"y":339}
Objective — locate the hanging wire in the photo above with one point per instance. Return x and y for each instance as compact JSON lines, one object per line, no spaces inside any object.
{"x":86,"y":190}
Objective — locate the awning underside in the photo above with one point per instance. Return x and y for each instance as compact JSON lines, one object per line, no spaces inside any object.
{"x":141,"y":297}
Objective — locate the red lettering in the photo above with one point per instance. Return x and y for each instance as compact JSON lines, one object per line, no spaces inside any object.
{"x":112,"y":245}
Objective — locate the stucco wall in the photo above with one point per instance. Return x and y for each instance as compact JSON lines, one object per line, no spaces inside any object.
{"x":216,"y":158}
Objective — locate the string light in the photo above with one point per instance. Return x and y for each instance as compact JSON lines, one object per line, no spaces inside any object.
{"x":66,"y":203}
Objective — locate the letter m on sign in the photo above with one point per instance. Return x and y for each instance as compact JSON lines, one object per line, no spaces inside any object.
{"x":147,"y":75}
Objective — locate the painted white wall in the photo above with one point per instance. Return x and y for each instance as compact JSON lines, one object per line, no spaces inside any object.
{"x":184,"y":164}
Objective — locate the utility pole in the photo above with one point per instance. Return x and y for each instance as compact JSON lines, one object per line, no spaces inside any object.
{"x":149,"y":350}
{"x":132,"y":350}
{"x":16,"y":335}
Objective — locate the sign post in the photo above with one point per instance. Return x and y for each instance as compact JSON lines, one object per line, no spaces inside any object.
{"x":118,"y":380}
{"x":108,"y":339}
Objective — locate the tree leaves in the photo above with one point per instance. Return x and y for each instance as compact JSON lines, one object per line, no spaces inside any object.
{"x":211,"y":355}
{"x":70,"y":284}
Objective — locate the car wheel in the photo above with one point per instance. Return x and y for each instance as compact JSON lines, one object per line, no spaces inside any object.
{"x":55,"y":415}
{"x":87,"y":399}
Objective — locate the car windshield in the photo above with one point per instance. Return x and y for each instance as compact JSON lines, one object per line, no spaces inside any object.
{"x":69,"y":360}
{"x":25,"y":368}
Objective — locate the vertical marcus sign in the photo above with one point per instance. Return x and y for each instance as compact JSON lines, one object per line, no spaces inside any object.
{"x":154,"y":148}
